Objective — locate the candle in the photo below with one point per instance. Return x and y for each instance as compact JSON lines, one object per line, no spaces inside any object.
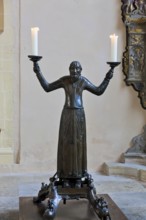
{"x":114,"y":41}
{"x":34,"y":38}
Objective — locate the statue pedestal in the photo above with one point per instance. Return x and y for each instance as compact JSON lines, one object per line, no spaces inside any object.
{"x":73,"y":209}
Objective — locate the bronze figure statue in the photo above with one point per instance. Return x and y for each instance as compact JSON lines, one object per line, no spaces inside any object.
{"x":72,"y":180}
{"x":71,"y":160}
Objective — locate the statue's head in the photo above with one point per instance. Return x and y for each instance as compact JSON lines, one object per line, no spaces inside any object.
{"x":75,"y":69}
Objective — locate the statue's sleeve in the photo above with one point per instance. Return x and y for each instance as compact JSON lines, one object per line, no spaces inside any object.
{"x":97,"y":90}
{"x":48,"y":87}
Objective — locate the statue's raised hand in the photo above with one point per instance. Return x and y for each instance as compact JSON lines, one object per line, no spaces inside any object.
{"x":109,"y":74}
{"x":36,"y":67}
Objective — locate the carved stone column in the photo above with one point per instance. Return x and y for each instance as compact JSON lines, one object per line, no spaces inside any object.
{"x":134,"y":58}
{"x":134,"y":64}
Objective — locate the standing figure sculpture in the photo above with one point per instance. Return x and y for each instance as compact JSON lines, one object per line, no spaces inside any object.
{"x":72,"y":154}
{"x":72,"y":151}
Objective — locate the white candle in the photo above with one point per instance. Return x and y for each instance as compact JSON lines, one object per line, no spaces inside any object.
{"x":34,"y":38}
{"x":114,"y":47}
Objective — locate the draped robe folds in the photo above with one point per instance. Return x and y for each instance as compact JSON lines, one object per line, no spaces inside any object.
{"x":72,"y":149}
{"x":72,"y":155}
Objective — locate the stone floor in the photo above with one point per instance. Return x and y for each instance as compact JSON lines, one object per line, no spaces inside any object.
{"x":128,"y":194}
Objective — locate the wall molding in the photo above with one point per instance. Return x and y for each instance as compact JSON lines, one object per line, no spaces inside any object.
{"x":1,"y":16}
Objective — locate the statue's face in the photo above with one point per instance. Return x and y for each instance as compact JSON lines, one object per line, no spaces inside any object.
{"x":75,"y":70}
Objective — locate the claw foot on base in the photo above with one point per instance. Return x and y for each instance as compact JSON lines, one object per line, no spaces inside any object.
{"x":102,"y":208}
{"x":49,"y":213}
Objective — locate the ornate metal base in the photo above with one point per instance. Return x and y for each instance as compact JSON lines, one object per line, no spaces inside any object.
{"x":66,"y":189}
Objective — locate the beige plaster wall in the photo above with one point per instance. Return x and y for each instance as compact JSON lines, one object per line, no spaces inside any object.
{"x":73,"y":30}
{"x":9,"y":51}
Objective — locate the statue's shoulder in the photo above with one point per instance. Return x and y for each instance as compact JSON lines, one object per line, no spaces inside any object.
{"x":64,"y":78}
{"x":84,"y":79}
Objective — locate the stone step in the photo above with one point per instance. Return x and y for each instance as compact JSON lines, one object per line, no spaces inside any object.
{"x":136,"y":158}
{"x":125,"y":169}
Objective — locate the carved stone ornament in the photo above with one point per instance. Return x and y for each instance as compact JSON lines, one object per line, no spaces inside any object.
{"x":134,"y":57}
